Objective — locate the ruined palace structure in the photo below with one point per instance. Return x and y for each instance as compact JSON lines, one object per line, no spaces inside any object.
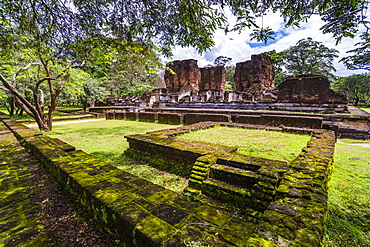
{"x":213,"y":78}
{"x":254,"y":80}
{"x":309,"y":89}
{"x":182,"y":75}
{"x":255,"y":75}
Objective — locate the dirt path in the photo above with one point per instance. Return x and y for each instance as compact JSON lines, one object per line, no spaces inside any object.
{"x":34,"y":210}
{"x":359,"y":144}
{"x":69,"y":122}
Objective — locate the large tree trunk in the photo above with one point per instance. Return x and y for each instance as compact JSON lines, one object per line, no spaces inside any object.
{"x":12,"y":106}
{"x":53,"y":105}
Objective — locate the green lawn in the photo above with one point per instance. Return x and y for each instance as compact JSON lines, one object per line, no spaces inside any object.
{"x":105,"y":140}
{"x":59,"y":112}
{"x":260,"y":143}
{"x":348,"y":219}
{"x":366,"y":109}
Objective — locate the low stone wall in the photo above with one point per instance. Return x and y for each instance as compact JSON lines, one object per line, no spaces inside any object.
{"x":288,"y":201}
{"x":135,"y":211}
{"x":191,"y":118}
{"x":277,"y":120}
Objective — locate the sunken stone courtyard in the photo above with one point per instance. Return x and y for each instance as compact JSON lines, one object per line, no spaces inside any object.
{"x":231,"y":199}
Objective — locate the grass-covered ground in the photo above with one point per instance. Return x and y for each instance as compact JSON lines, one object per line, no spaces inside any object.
{"x":348,"y":219}
{"x":366,"y":109}
{"x":260,"y":143}
{"x":105,"y":140}
{"x":60,"y":111}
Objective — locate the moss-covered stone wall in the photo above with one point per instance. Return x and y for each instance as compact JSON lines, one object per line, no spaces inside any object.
{"x":135,"y":211}
{"x":282,"y":204}
{"x":287,"y":200}
{"x":191,"y":118}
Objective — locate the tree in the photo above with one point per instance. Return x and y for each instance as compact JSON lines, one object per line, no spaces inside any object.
{"x":92,"y":92}
{"x":278,"y":60}
{"x":308,"y":57}
{"x":361,"y":57}
{"x":230,"y":71}
{"x":222,"y":61}
{"x":134,"y":68}
{"x":62,"y":35}
{"x":357,"y":87}
{"x":52,"y":71}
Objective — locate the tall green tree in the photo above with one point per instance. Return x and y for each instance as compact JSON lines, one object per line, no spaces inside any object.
{"x":133,"y":69}
{"x":64,"y":35}
{"x":361,"y":55}
{"x":357,"y":87}
{"x":230,"y":71}
{"x":306,"y":57}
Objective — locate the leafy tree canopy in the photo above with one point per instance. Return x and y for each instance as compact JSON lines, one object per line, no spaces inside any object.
{"x":357,"y":87}
{"x":306,"y":57}
{"x":361,"y":55}
{"x":166,"y":22}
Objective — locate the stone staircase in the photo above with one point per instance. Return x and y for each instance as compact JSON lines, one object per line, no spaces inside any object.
{"x":225,"y":181}
{"x":229,"y":184}
{"x":243,"y":182}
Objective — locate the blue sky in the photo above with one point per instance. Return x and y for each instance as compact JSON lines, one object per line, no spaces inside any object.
{"x":240,"y":48}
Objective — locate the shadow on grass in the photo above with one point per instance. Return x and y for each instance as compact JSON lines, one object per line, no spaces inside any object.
{"x":143,"y":170}
{"x":349,"y":229}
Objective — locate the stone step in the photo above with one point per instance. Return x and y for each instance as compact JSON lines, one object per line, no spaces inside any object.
{"x":233,"y":175}
{"x":225,"y":192}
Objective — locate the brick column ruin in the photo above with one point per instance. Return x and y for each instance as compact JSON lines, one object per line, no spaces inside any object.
{"x":255,"y":75}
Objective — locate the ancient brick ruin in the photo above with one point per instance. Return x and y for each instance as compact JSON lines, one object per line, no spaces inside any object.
{"x":213,"y":78}
{"x":255,"y":75}
{"x":310,"y":89}
{"x":182,"y":75}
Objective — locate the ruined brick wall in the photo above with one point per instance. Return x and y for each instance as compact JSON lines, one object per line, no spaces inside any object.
{"x":255,"y":75}
{"x":185,"y":74}
{"x":213,"y":78}
{"x":312,"y":89}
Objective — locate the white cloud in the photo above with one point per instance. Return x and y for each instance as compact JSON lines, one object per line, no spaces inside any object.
{"x":239,"y":47}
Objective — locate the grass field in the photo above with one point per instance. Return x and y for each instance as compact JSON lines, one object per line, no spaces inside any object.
{"x":59,"y":112}
{"x":105,"y":140}
{"x":260,"y":143}
{"x":348,"y":219}
{"x":366,"y":109}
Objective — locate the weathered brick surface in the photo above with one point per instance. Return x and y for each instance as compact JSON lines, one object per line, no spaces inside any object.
{"x":170,"y":118}
{"x":313,"y":89}
{"x":147,"y":116}
{"x":185,"y":75}
{"x":134,"y":210}
{"x":19,"y":205}
{"x":213,"y":78}
{"x":192,"y":118}
{"x":288,"y":202}
{"x":255,"y":75}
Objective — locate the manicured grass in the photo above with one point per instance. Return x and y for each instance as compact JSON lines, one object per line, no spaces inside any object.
{"x":365,"y":109}
{"x":105,"y":140}
{"x":59,"y":113}
{"x":260,"y":143}
{"x":348,"y":218}
{"x":354,"y":141}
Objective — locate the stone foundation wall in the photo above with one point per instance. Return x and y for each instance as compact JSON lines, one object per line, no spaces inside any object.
{"x":191,"y":118}
{"x":135,"y":211}
{"x":212,"y":78}
{"x":291,"y":199}
{"x":309,"y":89}
{"x":287,"y":202}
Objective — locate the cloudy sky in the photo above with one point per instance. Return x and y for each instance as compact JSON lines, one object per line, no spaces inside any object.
{"x":240,"y":48}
